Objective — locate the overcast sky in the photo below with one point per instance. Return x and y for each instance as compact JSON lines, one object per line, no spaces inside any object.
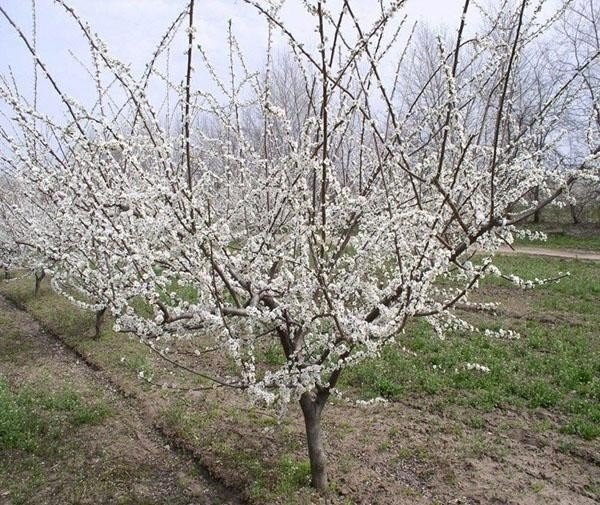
{"x":132,"y":28}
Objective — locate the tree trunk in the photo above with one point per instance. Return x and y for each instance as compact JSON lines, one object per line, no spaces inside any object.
{"x":99,"y":319}
{"x":39,"y":277}
{"x":312,"y":407}
{"x":574,"y":214}
{"x":537,"y":215}
{"x":5,"y":272}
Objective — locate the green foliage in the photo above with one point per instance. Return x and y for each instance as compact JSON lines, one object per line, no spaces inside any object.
{"x":141,"y":307}
{"x":273,"y":355}
{"x":292,"y":475}
{"x":289,"y":477}
{"x":139,"y":363}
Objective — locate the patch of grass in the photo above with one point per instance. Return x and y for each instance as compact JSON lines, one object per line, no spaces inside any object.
{"x":538,"y":393}
{"x":586,"y":427}
{"x":183,"y":291}
{"x":410,"y":492}
{"x":141,"y":307}
{"x":291,"y":475}
{"x":418,"y":453}
{"x":264,"y":480}
{"x":57,"y":314}
{"x":577,"y":294}
{"x":536,"y":487}
{"x":566,"y":446}
{"x":285,"y":480}
{"x":138,"y":364}
{"x":593,"y":488}
{"x":30,"y":471}
{"x":553,"y":366}
{"x":31,"y":418}
{"x":20,"y":428}
{"x":476,"y":422}
{"x":542,"y":426}
{"x":186,"y":422}
{"x":273,"y":355}
{"x":563,"y":240}
{"x":112,"y":351}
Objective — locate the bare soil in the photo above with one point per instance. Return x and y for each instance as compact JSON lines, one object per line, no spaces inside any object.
{"x":417,"y":455}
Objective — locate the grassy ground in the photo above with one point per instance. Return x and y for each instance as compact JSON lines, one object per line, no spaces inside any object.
{"x":67,"y":437}
{"x":543,"y":387}
{"x":555,"y":364}
{"x":197,"y":422}
{"x":563,"y":240}
{"x":36,"y":426}
{"x":585,"y":237}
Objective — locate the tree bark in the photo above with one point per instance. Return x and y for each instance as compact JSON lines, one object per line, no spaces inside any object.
{"x":574,"y":215}
{"x":39,"y":277}
{"x":312,"y":407}
{"x":98,"y":324}
{"x":537,"y":216}
{"x":5,"y":272}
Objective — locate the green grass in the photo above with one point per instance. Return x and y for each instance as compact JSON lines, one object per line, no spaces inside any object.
{"x":113,"y":351}
{"x":562,"y":240}
{"x":292,"y":475}
{"x":266,"y":479}
{"x":565,"y":236}
{"x":577,"y":294}
{"x":272,"y":355}
{"x":287,"y":479}
{"x":552,"y":366}
{"x":34,"y":420}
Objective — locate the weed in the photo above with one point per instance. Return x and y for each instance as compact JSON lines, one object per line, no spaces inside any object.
{"x":476,"y":422}
{"x":292,"y":475}
{"x":536,"y":487}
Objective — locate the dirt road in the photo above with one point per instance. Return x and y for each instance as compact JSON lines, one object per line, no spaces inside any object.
{"x":555,"y":253}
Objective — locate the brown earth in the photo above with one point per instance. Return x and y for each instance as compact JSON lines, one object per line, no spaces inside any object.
{"x":419,"y":451}
{"x":555,"y":253}
{"x":119,"y":460}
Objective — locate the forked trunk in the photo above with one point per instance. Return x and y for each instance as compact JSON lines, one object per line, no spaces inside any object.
{"x":312,"y":407}
{"x":99,"y":319}
{"x":39,"y":277}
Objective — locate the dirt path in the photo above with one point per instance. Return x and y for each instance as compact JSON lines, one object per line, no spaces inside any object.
{"x":66,"y":435}
{"x":555,"y":253}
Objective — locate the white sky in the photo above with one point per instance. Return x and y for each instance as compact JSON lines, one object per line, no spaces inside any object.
{"x":132,"y":28}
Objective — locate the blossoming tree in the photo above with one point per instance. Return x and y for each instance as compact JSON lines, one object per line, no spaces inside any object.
{"x":322,"y":227}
